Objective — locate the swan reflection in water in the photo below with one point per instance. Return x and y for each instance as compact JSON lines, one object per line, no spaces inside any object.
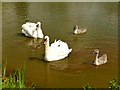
{"x":50,"y":67}
{"x":35,"y":43}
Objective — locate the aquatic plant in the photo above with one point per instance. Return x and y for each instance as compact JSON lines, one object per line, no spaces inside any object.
{"x":88,"y":87}
{"x":0,"y":83}
{"x":4,"y":71}
{"x":14,"y":81}
{"x":114,"y":85}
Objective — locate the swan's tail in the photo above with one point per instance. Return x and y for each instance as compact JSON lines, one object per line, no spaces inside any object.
{"x":70,"y":50}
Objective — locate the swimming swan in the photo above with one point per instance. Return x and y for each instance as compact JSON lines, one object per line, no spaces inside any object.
{"x":32,"y":30}
{"x":99,"y":60}
{"x":77,"y":30}
{"x":56,"y":51}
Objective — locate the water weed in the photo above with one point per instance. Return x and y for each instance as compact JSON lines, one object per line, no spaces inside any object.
{"x":114,"y":85}
{"x":15,"y":80}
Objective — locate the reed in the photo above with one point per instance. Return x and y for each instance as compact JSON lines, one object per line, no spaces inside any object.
{"x":114,"y":85}
{"x":17,"y":80}
{"x":87,"y":87}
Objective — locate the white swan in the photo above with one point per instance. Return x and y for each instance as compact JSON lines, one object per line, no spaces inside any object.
{"x":32,"y":30}
{"x":56,"y":51}
{"x":77,"y":30}
{"x":99,"y":60}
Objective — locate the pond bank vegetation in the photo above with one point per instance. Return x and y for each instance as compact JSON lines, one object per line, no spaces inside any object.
{"x":17,"y":80}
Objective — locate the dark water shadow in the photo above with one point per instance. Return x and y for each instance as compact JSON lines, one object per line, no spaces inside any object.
{"x":87,"y":63}
{"x":74,"y":68}
{"x":35,"y":58}
{"x":20,"y":34}
{"x":59,"y":65}
{"x":70,"y":33}
{"x":90,"y":63}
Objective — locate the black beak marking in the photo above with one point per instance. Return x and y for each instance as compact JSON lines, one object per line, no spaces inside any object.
{"x":45,"y":39}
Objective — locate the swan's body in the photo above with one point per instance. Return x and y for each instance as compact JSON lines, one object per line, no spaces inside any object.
{"x":100,"y":60}
{"x":56,"y":51}
{"x":32,"y":30}
{"x":78,"y":30}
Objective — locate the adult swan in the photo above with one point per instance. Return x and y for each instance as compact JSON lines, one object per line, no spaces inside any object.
{"x":32,"y":30}
{"x":56,"y":51}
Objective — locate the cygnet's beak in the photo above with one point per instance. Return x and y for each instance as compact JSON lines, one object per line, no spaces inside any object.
{"x":94,"y":52}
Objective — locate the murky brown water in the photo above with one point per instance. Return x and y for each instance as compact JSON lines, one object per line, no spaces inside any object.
{"x":58,"y":20}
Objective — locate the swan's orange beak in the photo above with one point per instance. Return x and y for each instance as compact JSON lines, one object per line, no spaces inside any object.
{"x":45,"y":40}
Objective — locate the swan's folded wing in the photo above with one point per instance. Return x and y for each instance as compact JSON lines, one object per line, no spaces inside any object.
{"x":29,"y":23}
{"x":56,"y":43}
{"x":28,"y":27}
{"x":59,"y":46}
{"x":103,"y":57}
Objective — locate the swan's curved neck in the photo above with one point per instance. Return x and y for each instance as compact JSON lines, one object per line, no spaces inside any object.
{"x":97,"y":56}
{"x":47,"y":45}
{"x":39,"y":32}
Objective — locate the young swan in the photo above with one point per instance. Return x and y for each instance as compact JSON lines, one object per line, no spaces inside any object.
{"x":99,"y":60}
{"x":77,"y":30}
{"x":32,"y":30}
{"x":56,"y":51}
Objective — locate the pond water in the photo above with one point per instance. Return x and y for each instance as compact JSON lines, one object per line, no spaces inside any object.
{"x":58,"y":20}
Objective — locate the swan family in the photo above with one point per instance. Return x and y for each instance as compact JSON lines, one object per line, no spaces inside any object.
{"x":58,"y":50}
